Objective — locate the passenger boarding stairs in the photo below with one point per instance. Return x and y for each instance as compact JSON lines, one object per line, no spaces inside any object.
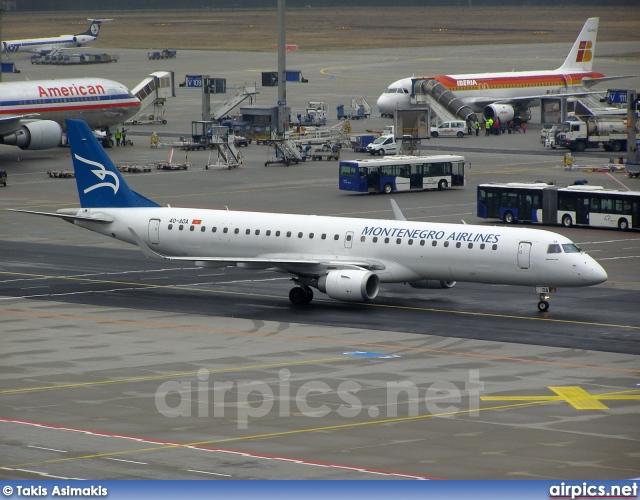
{"x":286,"y":152}
{"x":245,"y":92}
{"x":442,"y":101}
{"x":596,"y":105}
{"x":153,"y":90}
{"x":224,"y":143}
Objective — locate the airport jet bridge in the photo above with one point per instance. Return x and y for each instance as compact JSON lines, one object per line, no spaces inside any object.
{"x":153,"y":91}
{"x":442,"y":101}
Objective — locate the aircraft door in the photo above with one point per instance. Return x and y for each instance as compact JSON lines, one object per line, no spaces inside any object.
{"x":154,"y":231}
{"x":524,"y":255}
{"x":348,"y":239}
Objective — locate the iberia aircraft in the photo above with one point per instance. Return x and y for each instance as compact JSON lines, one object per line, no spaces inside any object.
{"x":46,"y":45}
{"x":31,"y":113}
{"x":346,"y":258}
{"x":506,"y":95}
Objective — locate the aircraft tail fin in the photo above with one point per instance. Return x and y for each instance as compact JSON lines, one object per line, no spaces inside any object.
{"x":94,"y":27}
{"x":100,"y":185}
{"x":581,"y":56}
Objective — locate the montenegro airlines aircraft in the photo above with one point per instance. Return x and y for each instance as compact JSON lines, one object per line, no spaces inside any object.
{"x":31,"y":113}
{"x":46,"y":45}
{"x":345,"y":258}
{"x":508,"y":95}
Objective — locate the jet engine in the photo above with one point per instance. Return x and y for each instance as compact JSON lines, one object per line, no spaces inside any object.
{"x":503,"y":111}
{"x":44,"y":134}
{"x":350,"y":285}
{"x":432,"y":284}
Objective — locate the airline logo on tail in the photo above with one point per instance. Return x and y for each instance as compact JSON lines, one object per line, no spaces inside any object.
{"x":100,"y":174}
{"x":585,"y":53}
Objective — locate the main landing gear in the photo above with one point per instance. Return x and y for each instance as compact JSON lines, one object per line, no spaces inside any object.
{"x":300,"y":295}
{"x":544,"y":291}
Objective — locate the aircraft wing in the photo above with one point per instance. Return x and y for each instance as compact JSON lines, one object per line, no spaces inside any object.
{"x":525,"y":99}
{"x":9,"y":124}
{"x":593,"y":81}
{"x":298,"y":266}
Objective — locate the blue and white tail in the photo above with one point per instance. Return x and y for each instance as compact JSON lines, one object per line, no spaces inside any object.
{"x":94,"y":28}
{"x":100,"y":185}
{"x":581,"y":56}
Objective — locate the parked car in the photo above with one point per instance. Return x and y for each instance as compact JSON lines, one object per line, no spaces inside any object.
{"x":383,"y":145}
{"x":241,"y":141}
{"x":455,"y":128}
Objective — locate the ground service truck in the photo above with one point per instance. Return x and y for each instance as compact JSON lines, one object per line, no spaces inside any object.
{"x":593,"y":132}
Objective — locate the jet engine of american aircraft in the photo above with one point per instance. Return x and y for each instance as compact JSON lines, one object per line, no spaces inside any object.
{"x":350,"y":285}
{"x":43,"y":134}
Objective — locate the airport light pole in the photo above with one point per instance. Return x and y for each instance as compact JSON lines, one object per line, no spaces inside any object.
{"x":282,"y":83}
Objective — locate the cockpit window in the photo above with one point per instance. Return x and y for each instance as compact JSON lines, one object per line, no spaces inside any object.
{"x":554,"y":248}
{"x":571,"y":248}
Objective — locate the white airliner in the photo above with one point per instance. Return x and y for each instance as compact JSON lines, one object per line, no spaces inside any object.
{"x":46,"y":45}
{"x":345,"y":258}
{"x":504,"y":95}
{"x":31,"y":113}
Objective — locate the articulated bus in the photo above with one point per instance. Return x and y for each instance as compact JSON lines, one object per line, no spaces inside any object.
{"x":402,"y":173}
{"x":542,"y":203}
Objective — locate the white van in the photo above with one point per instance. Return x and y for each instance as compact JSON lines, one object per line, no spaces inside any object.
{"x":450,"y":129}
{"x":383,"y":145}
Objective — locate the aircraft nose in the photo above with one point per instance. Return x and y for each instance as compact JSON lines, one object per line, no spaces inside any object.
{"x":595,"y":273}
{"x":384,"y":104}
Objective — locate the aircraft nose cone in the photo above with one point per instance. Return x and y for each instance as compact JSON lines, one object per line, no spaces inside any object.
{"x":383,"y":104}
{"x":595,"y":273}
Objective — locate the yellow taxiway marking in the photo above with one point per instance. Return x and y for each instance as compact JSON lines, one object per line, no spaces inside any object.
{"x":364,"y":304}
{"x":574,"y":395}
{"x":172,"y":446}
{"x":170,"y":375}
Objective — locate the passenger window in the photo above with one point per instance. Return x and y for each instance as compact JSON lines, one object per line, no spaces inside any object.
{"x":470,"y":245}
{"x":362,"y":238}
{"x":299,"y":235}
{"x":410,"y":242}
{"x":398,"y":241}
{"x":180,"y":227}
{"x":336,"y":237}
{"x":170,"y":227}
{"x":482,"y":246}
{"x":494,"y":247}
{"x":434,"y":243}
{"x":248,"y":231}
{"x":236,"y":230}
{"x":386,"y":240}
{"x":375,"y":239}
{"x":310,"y":236}
{"x":554,"y":248}
{"x":277,"y":233}
{"x":446,"y":244}
{"x":288,"y":234}
{"x":214,"y":229}
{"x":324,"y":236}
{"x":257,"y":232}
{"x":191,"y":228}
{"x":203,"y":229}
{"x":348,"y":237}
{"x":458,"y":244}
{"x":225,"y":230}
{"x":268,"y":233}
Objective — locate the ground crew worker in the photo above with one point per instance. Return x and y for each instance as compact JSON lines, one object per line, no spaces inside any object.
{"x":487,"y":126}
{"x":118,"y":136}
{"x":124,"y":136}
{"x":477,"y":127}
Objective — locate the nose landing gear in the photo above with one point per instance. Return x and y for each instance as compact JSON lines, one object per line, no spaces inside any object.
{"x":300,"y":295}
{"x":544,"y":291}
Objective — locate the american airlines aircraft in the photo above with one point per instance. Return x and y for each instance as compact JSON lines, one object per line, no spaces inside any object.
{"x":346,"y":258}
{"x":31,"y":113}
{"x":46,"y":45}
{"x":506,"y":95}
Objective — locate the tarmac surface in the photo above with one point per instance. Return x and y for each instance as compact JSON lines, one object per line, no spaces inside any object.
{"x":114,"y":366}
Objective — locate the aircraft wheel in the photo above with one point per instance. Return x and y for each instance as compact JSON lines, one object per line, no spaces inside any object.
{"x":308,"y":294}
{"x":543,"y":306}
{"x":297,"y":295}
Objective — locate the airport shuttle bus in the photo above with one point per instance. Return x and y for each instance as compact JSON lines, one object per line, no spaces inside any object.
{"x":542,"y":203}
{"x":402,"y":173}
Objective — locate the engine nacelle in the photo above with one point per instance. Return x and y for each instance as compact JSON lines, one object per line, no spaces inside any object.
{"x":350,"y":285}
{"x":432,"y":284}
{"x":45,"y":134}
{"x":503,"y":111}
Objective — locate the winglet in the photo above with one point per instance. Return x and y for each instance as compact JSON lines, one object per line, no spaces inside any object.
{"x":397,"y":213}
